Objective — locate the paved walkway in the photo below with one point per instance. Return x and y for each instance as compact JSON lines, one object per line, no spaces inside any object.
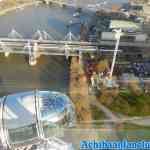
{"x":21,"y":6}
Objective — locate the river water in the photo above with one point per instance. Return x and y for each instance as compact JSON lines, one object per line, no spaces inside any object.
{"x":53,"y":20}
{"x":51,"y":73}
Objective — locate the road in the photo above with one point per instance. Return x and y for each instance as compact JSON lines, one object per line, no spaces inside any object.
{"x":110,"y":127}
{"x":9,"y":9}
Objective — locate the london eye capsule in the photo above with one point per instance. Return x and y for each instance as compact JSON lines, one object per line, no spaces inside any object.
{"x":30,"y":116}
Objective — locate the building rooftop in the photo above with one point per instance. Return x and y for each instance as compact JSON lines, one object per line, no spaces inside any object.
{"x":125,"y":25}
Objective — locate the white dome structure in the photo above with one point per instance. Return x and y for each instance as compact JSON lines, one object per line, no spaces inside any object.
{"x":30,"y":116}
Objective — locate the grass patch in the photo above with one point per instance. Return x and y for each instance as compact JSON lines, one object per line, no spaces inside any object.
{"x":130,"y":104}
{"x":97,"y":114}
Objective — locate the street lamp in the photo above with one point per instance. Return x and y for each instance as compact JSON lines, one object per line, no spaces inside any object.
{"x":118,"y":34}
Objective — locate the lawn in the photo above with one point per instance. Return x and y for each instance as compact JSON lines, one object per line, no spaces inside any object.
{"x":129,"y":103}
